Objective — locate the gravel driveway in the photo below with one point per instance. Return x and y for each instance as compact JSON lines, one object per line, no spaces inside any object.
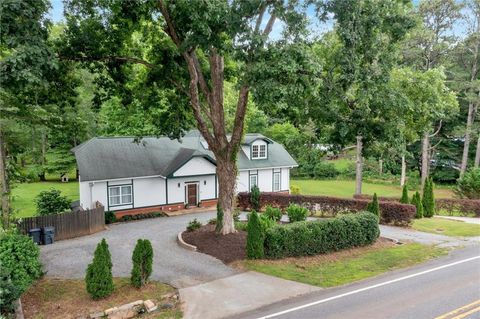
{"x":172,"y":264}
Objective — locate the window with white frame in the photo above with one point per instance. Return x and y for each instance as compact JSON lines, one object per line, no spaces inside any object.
{"x":276,"y":182}
{"x":263,"y":151}
{"x":120,"y":195}
{"x":253,"y":181}
{"x":259,"y":151}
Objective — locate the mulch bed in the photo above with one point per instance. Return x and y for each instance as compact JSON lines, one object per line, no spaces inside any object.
{"x":227,"y":248}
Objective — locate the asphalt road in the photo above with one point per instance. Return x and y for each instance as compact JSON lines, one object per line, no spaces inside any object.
{"x":447,"y":285}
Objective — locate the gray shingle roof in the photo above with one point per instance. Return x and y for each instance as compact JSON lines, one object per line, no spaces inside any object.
{"x":104,"y":158}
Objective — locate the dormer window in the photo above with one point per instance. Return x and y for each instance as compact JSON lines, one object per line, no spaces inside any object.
{"x":259,"y":151}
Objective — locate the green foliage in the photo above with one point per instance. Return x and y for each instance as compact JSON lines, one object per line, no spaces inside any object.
{"x":374,"y":207}
{"x":255,"y":197}
{"x":20,"y":257}
{"x":194,"y":225}
{"x":9,"y":292}
{"x":98,"y":279}
{"x":241,"y":226}
{"x":417,"y":201}
{"x":142,"y":259}
{"x":404,"y":199}
{"x":469,"y":185}
{"x":219,"y":221}
{"x":294,"y":189}
{"x":110,"y":217}
{"x":325,"y":170}
{"x":51,"y":202}
{"x":255,"y":237}
{"x":296,"y":213}
{"x":428,"y":199}
{"x":274,"y":213}
{"x":266,"y":222}
{"x":321,"y":236}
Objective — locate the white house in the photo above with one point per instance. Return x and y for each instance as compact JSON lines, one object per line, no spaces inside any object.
{"x":163,"y":174}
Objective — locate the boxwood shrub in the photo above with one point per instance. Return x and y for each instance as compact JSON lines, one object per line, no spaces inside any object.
{"x":321,"y":236}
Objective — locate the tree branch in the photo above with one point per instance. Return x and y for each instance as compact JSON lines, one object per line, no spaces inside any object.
{"x":269,"y":26}
{"x":108,"y":58}
{"x":239,"y":118}
{"x":437,"y":131}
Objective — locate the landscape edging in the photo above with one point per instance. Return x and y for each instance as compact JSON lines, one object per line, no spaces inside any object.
{"x":185,"y":245}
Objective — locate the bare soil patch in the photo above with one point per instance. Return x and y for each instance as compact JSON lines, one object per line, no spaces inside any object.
{"x":227,"y":248}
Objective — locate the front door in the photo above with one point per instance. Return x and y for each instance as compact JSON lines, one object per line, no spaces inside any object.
{"x":192,"y":194}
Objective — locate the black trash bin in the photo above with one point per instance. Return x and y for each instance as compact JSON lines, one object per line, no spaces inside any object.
{"x":48,"y":235}
{"x":35,"y":233}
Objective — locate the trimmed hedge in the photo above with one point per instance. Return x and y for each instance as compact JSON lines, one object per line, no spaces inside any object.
{"x":321,"y":236}
{"x":391,"y":212}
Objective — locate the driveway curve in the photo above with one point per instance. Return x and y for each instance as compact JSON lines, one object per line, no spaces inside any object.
{"x":172,"y":264}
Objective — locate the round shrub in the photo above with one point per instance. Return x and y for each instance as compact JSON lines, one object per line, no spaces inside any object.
{"x":110,"y":217}
{"x":19,"y":256}
{"x":194,"y":225}
{"x":51,"y":202}
{"x":255,"y":237}
{"x":99,"y":280}
{"x":273,"y":213}
{"x":296,"y":213}
{"x":469,"y":185}
{"x":325,"y":170}
{"x":294,"y":190}
{"x":142,"y":259}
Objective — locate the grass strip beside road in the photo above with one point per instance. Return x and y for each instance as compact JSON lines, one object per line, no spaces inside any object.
{"x":347,"y":266}
{"x":446,"y":227}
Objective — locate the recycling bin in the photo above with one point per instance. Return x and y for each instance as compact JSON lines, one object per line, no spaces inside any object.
{"x":48,"y":235}
{"x":35,"y":233}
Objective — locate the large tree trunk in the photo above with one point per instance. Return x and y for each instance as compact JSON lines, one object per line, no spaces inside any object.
{"x":425,"y":158}
{"x":227,"y":180}
{"x":477,"y":153}
{"x":5,"y":186}
{"x":359,"y":167}
{"x":43,"y":159}
{"x":466,"y":144}
{"x":404,"y":171}
{"x":380,"y":166}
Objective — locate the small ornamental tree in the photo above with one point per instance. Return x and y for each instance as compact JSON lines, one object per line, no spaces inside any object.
{"x":255,"y":237}
{"x":428,"y":199}
{"x":99,"y":280}
{"x":255,"y":197}
{"x":404,"y":199}
{"x":374,"y":206}
{"x":142,"y":259}
{"x":51,"y":202}
{"x":417,"y":201}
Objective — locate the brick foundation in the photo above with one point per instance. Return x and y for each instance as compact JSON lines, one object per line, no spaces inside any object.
{"x":162,"y":208}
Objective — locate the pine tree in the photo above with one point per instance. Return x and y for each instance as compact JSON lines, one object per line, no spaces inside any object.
{"x":99,"y":280}
{"x":428,"y":199}
{"x":404,"y":199}
{"x":417,"y":201}
{"x":255,"y":237}
{"x":255,"y":197}
{"x":142,"y":259}
{"x":374,"y":206}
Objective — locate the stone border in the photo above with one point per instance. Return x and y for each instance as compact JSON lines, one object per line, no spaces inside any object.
{"x":185,"y":245}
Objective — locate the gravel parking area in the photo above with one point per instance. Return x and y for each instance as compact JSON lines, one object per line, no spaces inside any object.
{"x":172,"y":264}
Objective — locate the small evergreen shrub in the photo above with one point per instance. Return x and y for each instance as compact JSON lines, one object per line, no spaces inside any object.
{"x":194,"y":225}
{"x":255,"y":198}
{"x":374,"y":206}
{"x":294,"y":189}
{"x":9,"y":292}
{"x":99,"y":280}
{"x":51,"y":202}
{"x":142,"y":259}
{"x":404,"y":199}
{"x":273,"y":213}
{"x":110,"y":217}
{"x":325,"y":170}
{"x":296,"y":213}
{"x":255,"y":237}
{"x":417,"y":201}
{"x":428,"y":199}
{"x":469,"y":185}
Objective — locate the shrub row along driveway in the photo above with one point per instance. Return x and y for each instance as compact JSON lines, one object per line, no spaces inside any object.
{"x":171,"y":263}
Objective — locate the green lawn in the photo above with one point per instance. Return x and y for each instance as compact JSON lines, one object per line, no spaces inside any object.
{"x":346,"y":188}
{"x":341,"y":164}
{"x":347,"y":269}
{"x":446,"y":227}
{"x":23,"y":195}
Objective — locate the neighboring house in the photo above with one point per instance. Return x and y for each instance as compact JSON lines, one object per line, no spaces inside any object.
{"x":164,"y":174}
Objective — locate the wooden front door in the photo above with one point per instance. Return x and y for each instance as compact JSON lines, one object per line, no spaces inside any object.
{"x":192,"y":194}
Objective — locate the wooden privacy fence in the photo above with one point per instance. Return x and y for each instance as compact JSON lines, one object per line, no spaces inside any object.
{"x":68,"y":225}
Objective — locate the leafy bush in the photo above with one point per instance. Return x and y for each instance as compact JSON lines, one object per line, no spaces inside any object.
{"x":99,"y":279}
{"x":296,"y":213}
{"x":374,"y":207}
{"x":193,"y":225}
{"x":294,"y":189}
{"x":9,"y":292}
{"x":255,"y":197}
{"x":255,"y":237}
{"x":127,"y":218}
{"x":469,"y":185}
{"x":428,"y":199}
{"x":20,"y":257}
{"x":51,"y":202}
{"x":404,"y":199}
{"x":321,"y":236}
{"x":325,"y":170}
{"x":273,"y":213}
{"x":110,"y":217}
{"x":241,"y":226}
{"x":266,"y":222}
{"x":417,"y":201}
{"x":142,"y":259}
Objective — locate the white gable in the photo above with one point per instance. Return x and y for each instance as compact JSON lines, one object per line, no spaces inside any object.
{"x":196,"y":166}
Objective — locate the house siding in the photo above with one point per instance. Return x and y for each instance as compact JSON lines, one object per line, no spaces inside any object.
{"x":195,"y":166}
